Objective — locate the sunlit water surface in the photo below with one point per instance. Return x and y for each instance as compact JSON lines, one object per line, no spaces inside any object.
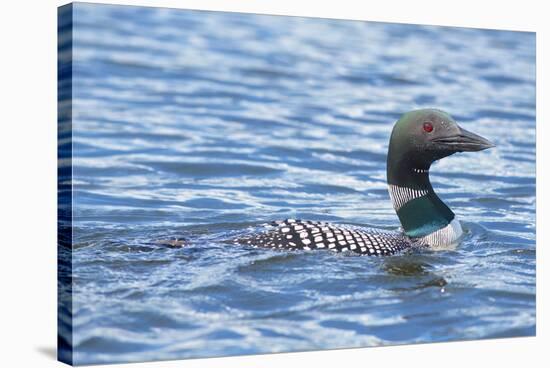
{"x":202,"y":126}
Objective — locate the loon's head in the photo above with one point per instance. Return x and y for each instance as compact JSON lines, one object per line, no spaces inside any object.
{"x":419,"y":138}
{"x":427,"y":135}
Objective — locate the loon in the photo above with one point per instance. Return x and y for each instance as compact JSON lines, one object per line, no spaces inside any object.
{"x":418,"y":139}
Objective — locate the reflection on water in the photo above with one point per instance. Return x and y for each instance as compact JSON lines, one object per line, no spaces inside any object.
{"x":199,"y":126}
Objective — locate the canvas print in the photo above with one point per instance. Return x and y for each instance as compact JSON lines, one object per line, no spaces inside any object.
{"x":234,"y":183}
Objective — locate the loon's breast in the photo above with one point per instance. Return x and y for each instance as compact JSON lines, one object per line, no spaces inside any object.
{"x":308,"y":235}
{"x":444,"y":238}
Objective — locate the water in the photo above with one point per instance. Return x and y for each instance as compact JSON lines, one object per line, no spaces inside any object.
{"x":203,"y":125}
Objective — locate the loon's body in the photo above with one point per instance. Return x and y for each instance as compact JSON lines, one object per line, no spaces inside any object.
{"x":418,"y":139}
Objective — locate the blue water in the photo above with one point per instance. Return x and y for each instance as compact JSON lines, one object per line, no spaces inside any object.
{"x":204,"y":125}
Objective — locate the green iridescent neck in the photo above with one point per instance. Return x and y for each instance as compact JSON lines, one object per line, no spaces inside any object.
{"x":420,"y":211}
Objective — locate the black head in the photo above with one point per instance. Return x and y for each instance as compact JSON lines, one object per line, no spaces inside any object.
{"x":424,"y":136}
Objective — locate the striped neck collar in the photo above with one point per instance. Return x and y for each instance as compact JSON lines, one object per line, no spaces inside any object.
{"x":420,"y":211}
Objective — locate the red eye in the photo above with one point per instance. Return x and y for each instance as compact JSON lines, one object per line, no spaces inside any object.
{"x":428,"y":127}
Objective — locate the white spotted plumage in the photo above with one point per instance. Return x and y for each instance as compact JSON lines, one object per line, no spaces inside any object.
{"x":308,"y":235}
